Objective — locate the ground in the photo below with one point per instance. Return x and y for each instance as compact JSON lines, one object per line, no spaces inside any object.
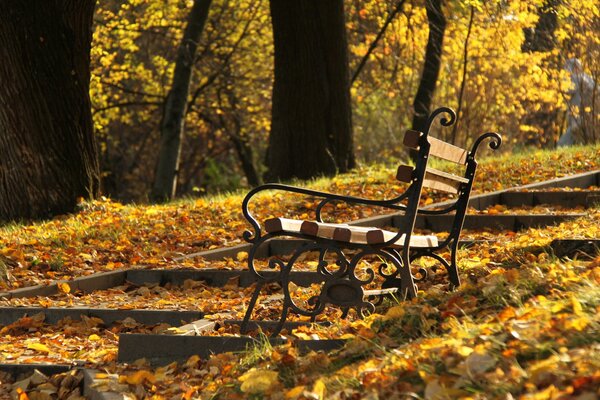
{"x":524,"y":324}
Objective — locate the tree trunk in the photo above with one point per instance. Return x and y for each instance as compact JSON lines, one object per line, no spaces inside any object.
{"x":311,"y":126}
{"x":48,"y":156}
{"x":172,"y":127}
{"x":431,"y":67}
{"x":542,"y":38}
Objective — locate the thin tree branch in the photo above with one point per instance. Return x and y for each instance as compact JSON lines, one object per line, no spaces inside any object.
{"x":127,"y":104}
{"x":464,"y":74}
{"x":373,"y":45}
{"x":225,"y":62}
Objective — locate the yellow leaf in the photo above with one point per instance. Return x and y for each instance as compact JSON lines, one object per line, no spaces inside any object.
{"x":242,"y":256}
{"x":93,"y":337}
{"x":578,"y":324}
{"x":395,"y":312}
{"x":464,"y":350}
{"x":21,"y":394}
{"x":258,"y":381}
{"x":38,"y":347}
{"x":319,"y":389}
{"x":138,"y":377}
{"x":294,"y":393}
{"x":64,"y":287}
{"x":193,"y":361}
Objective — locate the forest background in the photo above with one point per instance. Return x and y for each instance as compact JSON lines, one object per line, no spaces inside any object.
{"x":502,"y":68}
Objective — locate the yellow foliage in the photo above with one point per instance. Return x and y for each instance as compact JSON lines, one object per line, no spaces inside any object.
{"x":38,"y":347}
{"x":258,"y":381}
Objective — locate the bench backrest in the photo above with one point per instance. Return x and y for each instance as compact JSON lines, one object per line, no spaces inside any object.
{"x":427,"y":147}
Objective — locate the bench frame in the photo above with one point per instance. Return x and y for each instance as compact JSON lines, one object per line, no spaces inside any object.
{"x":341,"y":287}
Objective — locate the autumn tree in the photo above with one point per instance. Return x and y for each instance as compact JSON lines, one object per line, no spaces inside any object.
{"x":173,"y":121}
{"x":431,"y":65}
{"x":311,"y":124}
{"x":47,"y":146}
{"x":229,"y":113}
{"x":134,"y":56}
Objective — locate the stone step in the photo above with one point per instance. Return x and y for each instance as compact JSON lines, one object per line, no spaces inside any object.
{"x":568,"y":199}
{"x":8,"y":315}
{"x":511,"y":222}
{"x":164,"y":349}
{"x":580,"y":248}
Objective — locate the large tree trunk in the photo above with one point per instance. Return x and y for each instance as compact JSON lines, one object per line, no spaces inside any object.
{"x":431,"y":68}
{"x":172,"y":127}
{"x":48,"y":155}
{"x":311,"y":127}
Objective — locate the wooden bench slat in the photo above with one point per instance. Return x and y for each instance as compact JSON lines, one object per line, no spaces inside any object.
{"x":345,"y":233}
{"x":438,"y":148}
{"x":320,"y":229}
{"x":434,"y":179}
{"x":362,"y":235}
{"x":411,"y":138}
{"x":379,"y":292}
{"x":282,"y":224}
{"x":444,"y":181}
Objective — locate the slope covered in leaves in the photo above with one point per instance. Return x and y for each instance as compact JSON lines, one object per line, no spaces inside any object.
{"x":106,"y":235}
{"x":524,"y":324}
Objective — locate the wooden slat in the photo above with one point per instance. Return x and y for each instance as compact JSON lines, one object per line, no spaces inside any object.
{"x":364,"y":235}
{"x":345,"y":233}
{"x":444,"y":181}
{"x":438,"y":148}
{"x":282,"y":224}
{"x":405,"y":173}
{"x":411,"y":139}
{"x":320,"y":229}
{"x":352,"y":234}
{"x":434,"y":179}
{"x":379,"y":292}
{"x":447,"y":151}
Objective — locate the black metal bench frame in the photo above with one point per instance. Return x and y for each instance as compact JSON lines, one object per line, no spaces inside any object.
{"x":341,"y":287}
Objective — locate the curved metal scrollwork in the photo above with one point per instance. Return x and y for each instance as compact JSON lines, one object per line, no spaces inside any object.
{"x":341,"y":287}
{"x":444,"y":121}
{"x":495,"y":142}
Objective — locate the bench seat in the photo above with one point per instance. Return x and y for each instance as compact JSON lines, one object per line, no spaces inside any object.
{"x":346,"y":233}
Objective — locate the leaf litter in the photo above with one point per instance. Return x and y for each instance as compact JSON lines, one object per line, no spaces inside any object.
{"x":523,"y":324}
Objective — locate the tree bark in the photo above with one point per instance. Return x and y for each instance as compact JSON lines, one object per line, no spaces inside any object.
{"x":465,"y":71}
{"x":48,"y":156}
{"x":431,"y":67}
{"x":172,"y":127}
{"x":311,"y":125}
{"x":542,"y":37}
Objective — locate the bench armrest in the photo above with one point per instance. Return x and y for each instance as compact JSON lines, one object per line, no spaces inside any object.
{"x":327,"y":198}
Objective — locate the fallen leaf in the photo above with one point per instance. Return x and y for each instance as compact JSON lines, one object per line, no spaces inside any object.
{"x":294,"y":393}
{"x":258,"y":381}
{"x":319,"y":389}
{"x":64,"y":287}
{"x":138,"y":377}
{"x":38,"y":347}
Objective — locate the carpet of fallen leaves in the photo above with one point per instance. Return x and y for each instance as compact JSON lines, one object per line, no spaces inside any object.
{"x":524,"y":324}
{"x":106,"y":235}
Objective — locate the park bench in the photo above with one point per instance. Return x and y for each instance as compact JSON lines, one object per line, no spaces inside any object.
{"x":340,"y":247}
